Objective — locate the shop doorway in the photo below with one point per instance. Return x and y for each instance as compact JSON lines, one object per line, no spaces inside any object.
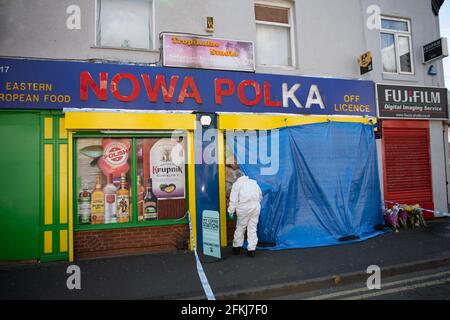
{"x":19,"y":195}
{"x":407,"y":163}
{"x":323,"y":187}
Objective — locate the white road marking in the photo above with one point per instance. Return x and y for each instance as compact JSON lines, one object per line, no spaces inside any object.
{"x":395,"y":290}
{"x":384,"y":285}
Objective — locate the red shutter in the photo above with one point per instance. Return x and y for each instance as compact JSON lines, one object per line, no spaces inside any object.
{"x":407,"y":165}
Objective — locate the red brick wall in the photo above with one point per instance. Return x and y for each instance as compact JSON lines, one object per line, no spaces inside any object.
{"x":98,"y":243}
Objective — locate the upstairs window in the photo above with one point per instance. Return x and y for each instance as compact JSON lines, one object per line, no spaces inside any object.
{"x":396,"y":46}
{"x":125,"y":24}
{"x":274,"y":34}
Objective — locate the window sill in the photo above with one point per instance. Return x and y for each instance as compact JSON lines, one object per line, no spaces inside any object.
{"x":125,"y":49}
{"x":109,"y":226}
{"x":399,"y":77}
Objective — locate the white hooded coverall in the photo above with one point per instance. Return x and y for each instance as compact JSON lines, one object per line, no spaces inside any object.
{"x":245,"y":199}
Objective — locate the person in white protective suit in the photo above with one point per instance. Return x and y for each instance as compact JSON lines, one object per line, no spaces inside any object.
{"x":245,"y":200}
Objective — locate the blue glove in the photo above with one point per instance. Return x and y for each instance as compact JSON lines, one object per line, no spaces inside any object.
{"x":230,"y":215}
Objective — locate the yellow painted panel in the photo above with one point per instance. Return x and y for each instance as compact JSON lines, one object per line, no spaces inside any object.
{"x":48,"y":184}
{"x":48,"y":238}
{"x":128,"y":121}
{"x":222,"y":195}
{"x":48,"y":128}
{"x":62,"y":183}
{"x":63,"y":240}
{"x":70,"y":192}
{"x":191,"y":181}
{"x":62,"y":128}
{"x":267,"y":122}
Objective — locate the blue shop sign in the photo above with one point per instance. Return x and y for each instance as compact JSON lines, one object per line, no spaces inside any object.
{"x":54,"y":85}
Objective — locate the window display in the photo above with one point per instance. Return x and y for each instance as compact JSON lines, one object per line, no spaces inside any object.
{"x":108,"y":173}
{"x":167,"y":169}
{"x":103,"y":173}
{"x":161,"y":166}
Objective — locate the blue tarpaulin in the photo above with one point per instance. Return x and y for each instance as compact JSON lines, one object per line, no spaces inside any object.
{"x":326,"y":188}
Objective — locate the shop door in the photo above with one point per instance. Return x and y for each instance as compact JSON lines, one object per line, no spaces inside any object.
{"x":407,"y":164}
{"x":19,"y":187}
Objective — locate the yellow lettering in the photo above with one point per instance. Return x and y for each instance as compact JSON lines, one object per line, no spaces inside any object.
{"x":350,"y":107}
{"x":28,"y":86}
{"x":223,"y":53}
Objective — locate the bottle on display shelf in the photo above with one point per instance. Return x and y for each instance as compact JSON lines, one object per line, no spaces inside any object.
{"x":110,"y":191}
{"x":150,"y":203}
{"x":84,"y":204}
{"x":123,"y":201}
{"x":140,"y":198}
{"x":98,"y":202}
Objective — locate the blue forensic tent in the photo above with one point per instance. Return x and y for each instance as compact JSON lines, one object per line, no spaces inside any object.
{"x":326,"y":187}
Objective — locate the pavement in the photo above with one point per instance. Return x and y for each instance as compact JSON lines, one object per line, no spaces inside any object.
{"x":173,"y":275}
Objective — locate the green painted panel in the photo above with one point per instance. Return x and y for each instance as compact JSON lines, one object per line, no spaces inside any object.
{"x":19,"y":186}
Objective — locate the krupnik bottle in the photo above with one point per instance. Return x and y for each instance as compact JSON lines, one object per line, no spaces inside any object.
{"x":150,"y":203}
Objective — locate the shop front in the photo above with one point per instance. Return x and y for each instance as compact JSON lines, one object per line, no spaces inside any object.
{"x":303,"y":188}
{"x":409,"y":117}
{"x":130,"y":179}
{"x":102,"y":183}
{"x":112,"y":158}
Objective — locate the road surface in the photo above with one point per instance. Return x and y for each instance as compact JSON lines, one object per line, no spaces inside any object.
{"x":432,"y":284}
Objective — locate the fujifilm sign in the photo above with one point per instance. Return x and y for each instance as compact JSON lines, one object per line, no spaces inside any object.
{"x":412,"y":96}
{"x":412,"y":102}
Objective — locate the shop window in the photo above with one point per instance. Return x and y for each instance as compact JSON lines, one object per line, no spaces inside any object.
{"x":126,"y":181}
{"x":396,"y":46}
{"x":161,"y":165}
{"x":274,"y":34}
{"x":103,"y":177}
{"x":125,"y":23}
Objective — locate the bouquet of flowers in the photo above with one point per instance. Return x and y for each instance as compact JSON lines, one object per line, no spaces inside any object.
{"x":391,"y":217}
{"x":415,"y":216}
{"x":404,"y":216}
